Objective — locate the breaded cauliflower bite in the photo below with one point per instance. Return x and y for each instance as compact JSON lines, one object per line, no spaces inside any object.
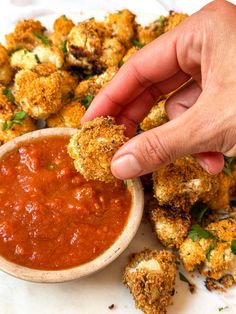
{"x":214,"y":252}
{"x":156,"y":117}
{"x":8,"y":111}
{"x":39,"y":96}
{"x":184,"y":182}
{"x":150,"y":32}
{"x":5,"y":67}
{"x":129,"y":53}
{"x":68,"y":117}
{"x":170,"y":224}
{"x":113,"y":52}
{"x":93,"y":147}
{"x":27,"y":35}
{"x":62,"y":26}
{"x":150,"y":276}
{"x":122,"y":25}
{"x":84,"y":45}
{"x":173,"y":20}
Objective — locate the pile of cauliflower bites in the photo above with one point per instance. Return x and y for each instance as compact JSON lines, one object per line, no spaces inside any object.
{"x":55,"y":76}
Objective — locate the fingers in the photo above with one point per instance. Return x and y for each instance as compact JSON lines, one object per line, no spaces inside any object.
{"x":212,"y":162}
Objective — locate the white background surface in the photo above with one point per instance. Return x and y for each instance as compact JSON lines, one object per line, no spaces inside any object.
{"x":94,"y":294}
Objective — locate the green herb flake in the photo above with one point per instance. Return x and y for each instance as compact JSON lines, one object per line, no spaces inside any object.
{"x":183,"y":278}
{"x":4,"y":126}
{"x":137,"y":43}
{"x":91,"y":18}
{"x":51,"y":167}
{"x":121,"y":63}
{"x":42,"y":37}
{"x":125,"y":183}
{"x":222,"y":308}
{"x":37,"y":58}
{"x":198,"y":211}
{"x":160,"y":20}
{"x":87,"y":100}
{"x":25,"y":51}
{"x":229,"y":165}
{"x":17,"y":119}
{"x":64,"y":48}
{"x":8,"y":93}
{"x":233,"y":246}
{"x":211,"y":248}
{"x":197,"y":232}
{"x":65,"y":17}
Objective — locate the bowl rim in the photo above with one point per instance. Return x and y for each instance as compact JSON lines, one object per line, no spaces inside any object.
{"x":108,"y":256}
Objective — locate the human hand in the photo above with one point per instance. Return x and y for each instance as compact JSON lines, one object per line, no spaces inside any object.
{"x":202,"y":113}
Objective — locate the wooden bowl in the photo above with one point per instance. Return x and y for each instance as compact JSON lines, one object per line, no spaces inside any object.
{"x":101,"y":261}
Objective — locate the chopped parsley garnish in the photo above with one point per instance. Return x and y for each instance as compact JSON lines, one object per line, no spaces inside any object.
{"x":160,"y":20}
{"x":65,"y":17}
{"x":125,"y":182}
{"x":7,"y":92}
{"x":222,"y":308}
{"x":137,"y":43}
{"x":87,"y":100}
{"x":42,"y":37}
{"x":229,"y":165}
{"x":17,"y":119}
{"x":211,"y":248}
{"x":91,"y":18}
{"x":197,"y":232}
{"x":37,"y":58}
{"x":121,"y":63}
{"x":25,"y":51}
{"x":233,"y":246}
{"x":64,"y":48}
{"x":198,"y":211}
{"x":184,"y":279}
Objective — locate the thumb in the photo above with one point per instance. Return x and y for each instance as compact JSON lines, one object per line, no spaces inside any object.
{"x":151,"y":150}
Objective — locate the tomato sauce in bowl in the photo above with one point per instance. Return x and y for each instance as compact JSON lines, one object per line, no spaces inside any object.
{"x":51,"y":218}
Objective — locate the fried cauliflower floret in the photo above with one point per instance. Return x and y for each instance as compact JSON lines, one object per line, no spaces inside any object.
{"x":49,"y":54}
{"x":123,"y":26}
{"x":39,"y":96}
{"x":62,"y":26}
{"x":150,"y":276}
{"x":113,"y":51}
{"x":170,"y":224}
{"x":156,"y":117}
{"x":68,"y":117}
{"x":84,"y":45}
{"x":25,"y":35}
{"x":5,"y":67}
{"x":93,"y":85}
{"x":7,"y":112}
{"x":93,"y":147}
{"x":129,"y":53}
{"x":68,"y":85}
{"x":23,"y":59}
{"x":213,"y":253}
{"x":150,"y":32}
{"x":173,"y":20}
{"x":183,"y":183}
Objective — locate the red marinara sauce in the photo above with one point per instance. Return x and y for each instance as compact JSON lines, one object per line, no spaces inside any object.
{"x":50,"y":216}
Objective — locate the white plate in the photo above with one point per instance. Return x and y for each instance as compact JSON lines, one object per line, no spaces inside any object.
{"x":93,"y":295}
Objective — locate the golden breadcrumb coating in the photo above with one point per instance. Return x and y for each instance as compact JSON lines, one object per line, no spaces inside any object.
{"x":150,"y":276}
{"x":170,"y":224}
{"x":68,"y":85}
{"x":94,"y":84}
{"x":129,"y":53}
{"x":173,"y":20}
{"x":39,"y":96}
{"x":123,"y":26}
{"x":156,"y":117}
{"x":113,"y":52}
{"x":84,"y":45}
{"x":184,"y":182}
{"x":146,"y":34}
{"x":23,"y":59}
{"x":214,"y":254}
{"x":7,"y":111}
{"x":93,"y":147}
{"x":25,"y":35}
{"x":68,"y":117}
{"x":6,"y":72}
{"x":49,"y":54}
{"x":62,"y":26}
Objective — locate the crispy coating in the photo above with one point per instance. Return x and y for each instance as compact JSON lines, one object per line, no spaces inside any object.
{"x":150,"y":276}
{"x":150,"y":32}
{"x":184,"y":182}
{"x":23,"y":59}
{"x":84,"y":45}
{"x":49,"y":54}
{"x":94,"y":84}
{"x":123,"y":26}
{"x":7,"y":111}
{"x":156,"y":117}
{"x":5,"y":67}
{"x":93,"y":147}
{"x":173,"y":20}
{"x":170,"y":224}
{"x":113,"y":52}
{"x":129,"y":53}
{"x":216,"y":261}
{"x":24,"y":35}
{"x":62,"y":26}
{"x":68,"y":85}
{"x":39,"y":96}
{"x":68,"y":117}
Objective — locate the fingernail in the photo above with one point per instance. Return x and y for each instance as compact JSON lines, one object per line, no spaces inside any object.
{"x":126,"y":167}
{"x":204,"y":165}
